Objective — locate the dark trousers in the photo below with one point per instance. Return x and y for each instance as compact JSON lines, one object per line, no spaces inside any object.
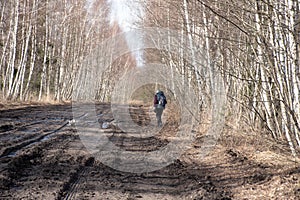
{"x":159,"y":112}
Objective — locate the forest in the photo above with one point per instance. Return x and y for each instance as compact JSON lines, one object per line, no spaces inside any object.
{"x":253,"y":44}
{"x":236,"y":62}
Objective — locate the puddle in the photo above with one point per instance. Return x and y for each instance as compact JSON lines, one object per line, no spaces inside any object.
{"x":42,"y":139}
{"x":105,"y":125}
{"x":32,"y":142}
{"x":46,"y":138}
{"x":29,"y":131}
{"x":11,"y":155}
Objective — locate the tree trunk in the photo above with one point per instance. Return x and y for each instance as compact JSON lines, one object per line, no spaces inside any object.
{"x":13,"y":51}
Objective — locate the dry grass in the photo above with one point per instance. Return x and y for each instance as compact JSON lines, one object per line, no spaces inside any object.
{"x":273,"y":159}
{"x":249,"y":163}
{"x":257,"y":146}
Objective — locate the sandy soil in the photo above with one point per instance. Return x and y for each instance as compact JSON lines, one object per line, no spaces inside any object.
{"x":42,"y":157}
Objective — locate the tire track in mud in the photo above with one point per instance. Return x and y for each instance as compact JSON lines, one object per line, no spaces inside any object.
{"x":41,"y":154}
{"x":14,"y":168}
{"x":27,"y":140}
{"x":13,"y":150}
{"x":16,"y":133}
{"x":10,"y":127}
{"x":37,"y":161}
{"x":23,"y":127}
{"x":71,"y":187}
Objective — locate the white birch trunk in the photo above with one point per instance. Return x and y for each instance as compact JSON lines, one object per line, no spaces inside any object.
{"x":12,"y":60}
{"x":292,"y":42}
{"x":280,"y":62}
{"x":4,"y":38}
{"x":192,"y":48}
{"x":43,"y":76}
{"x":32,"y":62}
{"x":265,"y":86}
{"x":210,"y":71}
{"x":20,"y":81}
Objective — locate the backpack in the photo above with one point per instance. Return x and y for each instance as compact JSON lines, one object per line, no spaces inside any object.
{"x":162,"y":100}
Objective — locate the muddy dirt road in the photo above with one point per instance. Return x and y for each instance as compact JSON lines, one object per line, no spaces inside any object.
{"x":42,"y":157}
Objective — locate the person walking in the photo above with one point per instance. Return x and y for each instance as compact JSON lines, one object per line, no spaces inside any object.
{"x":160,"y":102}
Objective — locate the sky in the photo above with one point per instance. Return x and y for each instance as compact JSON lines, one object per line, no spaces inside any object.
{"x":128,"y":14}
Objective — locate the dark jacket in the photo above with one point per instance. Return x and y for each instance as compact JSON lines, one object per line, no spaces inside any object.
{"x":155,"y":101}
